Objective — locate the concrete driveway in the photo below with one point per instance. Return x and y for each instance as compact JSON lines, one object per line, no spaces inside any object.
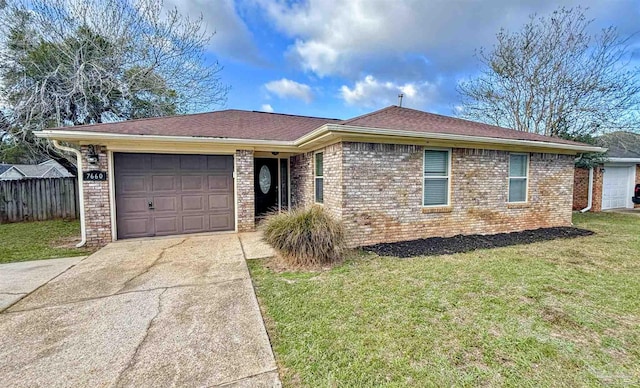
{"x":19,"y":279}
{"x":161,"y":312}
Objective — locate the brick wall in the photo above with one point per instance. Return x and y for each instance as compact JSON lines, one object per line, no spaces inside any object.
{"x":382,"y":194}
{"x":581,"y":189}
{"x":303,"y":179}
{"x":245,"y":185}
{"x":96,"y":201}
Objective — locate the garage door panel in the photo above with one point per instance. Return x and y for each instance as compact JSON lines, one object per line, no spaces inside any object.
{"x":163,"y":183}
{"x":134,"y":206}
{"x":222,"y":163}
{"x":190,"y":193}
{"x":220,"y":182}
{"x":166,"y":225}
{"x":219,"y":201}
{"x":132,"y":184}
{"x":221,"y":221}
{"x":135,"y":227}
{"x":194,"y":223}
{"x":133,"y":162}
{"x":192,"y":183}
{"x":164,"y":203}
{"x":164,"y":162}
{"x":193,"y":203}
{"x":193,"y":162}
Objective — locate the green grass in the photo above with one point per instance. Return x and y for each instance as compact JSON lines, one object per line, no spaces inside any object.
{"x":39,"y":240}
{"x":557,"y":313}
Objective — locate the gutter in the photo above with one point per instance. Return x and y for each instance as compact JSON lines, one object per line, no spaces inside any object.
{"x":347,"y":129}
{"x":590,"y":197}
{"x":83,"y":228}
{"x":623,"y":160}
{"x":306,"y":141}
{"x":102,"y":136}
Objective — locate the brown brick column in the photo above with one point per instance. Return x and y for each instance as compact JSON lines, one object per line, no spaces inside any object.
{"x":598,"y":178}
{"x":245,"y":191}
{"x":96,"y":200}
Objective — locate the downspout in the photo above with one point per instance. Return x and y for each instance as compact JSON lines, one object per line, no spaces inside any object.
{"x":590,"y":197}
{"x":83,"y":230}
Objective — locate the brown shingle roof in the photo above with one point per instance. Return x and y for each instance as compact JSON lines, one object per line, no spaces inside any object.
{"x":238,"y":124}
{"x":406,"y":119}
{"x":235,"y":124}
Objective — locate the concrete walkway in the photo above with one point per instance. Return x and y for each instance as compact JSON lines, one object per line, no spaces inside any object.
{"x":19,"y":279}
{"x":164,"y":312}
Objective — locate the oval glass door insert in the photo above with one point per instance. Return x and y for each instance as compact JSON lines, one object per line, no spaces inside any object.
{"x":265,"y":179}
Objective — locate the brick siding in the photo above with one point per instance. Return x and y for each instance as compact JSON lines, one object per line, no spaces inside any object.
{"x":303,"y":179}
{"x":382,"y":194}
{"x":376,"y":190}
{"x":97,"y":207}
{"x":581,"y":189}
{"x":245,"y":186}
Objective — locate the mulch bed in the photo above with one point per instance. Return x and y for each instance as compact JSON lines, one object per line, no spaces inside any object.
{"x":459,"y":244}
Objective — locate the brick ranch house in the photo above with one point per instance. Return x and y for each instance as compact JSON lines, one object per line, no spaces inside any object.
{"x":612,"y":183}
{"x":391,"y":175}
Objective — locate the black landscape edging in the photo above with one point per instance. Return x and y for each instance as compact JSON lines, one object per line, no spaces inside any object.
{"x":434,"y":246}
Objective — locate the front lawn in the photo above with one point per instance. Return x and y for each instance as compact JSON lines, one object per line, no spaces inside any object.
{"x":24,"y":241}
{"x":556,"y":313}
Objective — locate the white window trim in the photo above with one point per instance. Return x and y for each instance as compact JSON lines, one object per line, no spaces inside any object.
{"x":449,"y":176}
{"x":315,"y":177}
{"x":526,"y":178}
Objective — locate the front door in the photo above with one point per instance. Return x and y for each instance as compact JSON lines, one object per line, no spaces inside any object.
{"x":266,"y":185}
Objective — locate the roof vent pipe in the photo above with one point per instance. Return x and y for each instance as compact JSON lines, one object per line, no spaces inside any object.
{"x":400,"y":99}
{"x":590,"y":198}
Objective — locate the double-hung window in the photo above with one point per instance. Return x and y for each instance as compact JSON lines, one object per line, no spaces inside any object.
{"x":319,"y":177}
{"x":436,"y":174}
{"x":518,"y":172}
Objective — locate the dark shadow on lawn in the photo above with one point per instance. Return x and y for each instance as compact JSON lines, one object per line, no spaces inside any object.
{"x":459,"y":244}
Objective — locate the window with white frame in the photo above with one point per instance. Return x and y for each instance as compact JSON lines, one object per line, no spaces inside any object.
{"x":319,"y":177}
{"x":518,"y":173}
{"x":436,"y":176}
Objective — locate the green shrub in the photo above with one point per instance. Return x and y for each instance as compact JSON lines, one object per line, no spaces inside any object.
{"x":305,"y":237}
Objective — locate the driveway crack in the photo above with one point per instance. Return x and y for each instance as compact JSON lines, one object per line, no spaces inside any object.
{"x":146,"y":270}
{"x":142,"y":342}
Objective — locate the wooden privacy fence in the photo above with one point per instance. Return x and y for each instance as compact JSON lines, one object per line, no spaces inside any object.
{"x":38,"y":199}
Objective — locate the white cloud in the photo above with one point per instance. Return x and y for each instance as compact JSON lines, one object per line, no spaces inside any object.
{"x":232,"y":36}
{"x":286,"y":88}
{"x":371,"y":93}
{"x":266,"y":108}
{"x":350,"y":38}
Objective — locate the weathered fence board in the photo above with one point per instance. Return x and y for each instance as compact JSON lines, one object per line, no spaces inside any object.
{"x":38,"y":199}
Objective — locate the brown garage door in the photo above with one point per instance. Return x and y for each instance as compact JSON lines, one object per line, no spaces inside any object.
{"x":163,"y":194}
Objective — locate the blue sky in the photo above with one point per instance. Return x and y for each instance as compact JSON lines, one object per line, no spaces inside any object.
{"x":345,"y":58}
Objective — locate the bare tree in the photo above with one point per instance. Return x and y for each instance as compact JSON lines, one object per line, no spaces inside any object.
{"x":69,"y":62}
{"x":554,"y":77}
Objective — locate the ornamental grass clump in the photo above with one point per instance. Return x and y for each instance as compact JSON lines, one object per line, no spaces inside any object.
{"x":305,"y":237}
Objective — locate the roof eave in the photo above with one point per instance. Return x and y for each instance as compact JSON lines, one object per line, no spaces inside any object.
{"x":88,"y":137}
{"x":326,"y":130}
{"x":315,"y":138}
{"x":623,"y":160}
